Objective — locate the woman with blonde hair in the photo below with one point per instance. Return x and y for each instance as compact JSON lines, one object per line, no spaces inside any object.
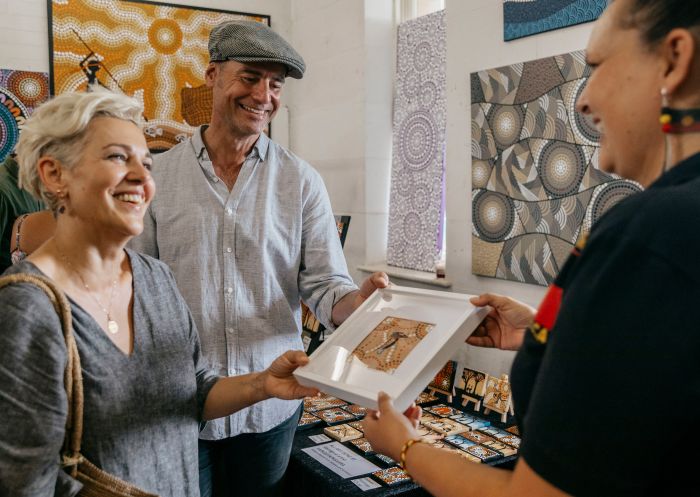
{"x":145,"y":385}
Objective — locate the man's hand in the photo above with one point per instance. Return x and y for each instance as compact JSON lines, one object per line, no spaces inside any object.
{"x":345,"y":306}
{"x":278,"y":380}
{"x":505,"y":325}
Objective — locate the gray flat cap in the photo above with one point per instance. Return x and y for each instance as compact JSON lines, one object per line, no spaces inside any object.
{"x":251,"y":41}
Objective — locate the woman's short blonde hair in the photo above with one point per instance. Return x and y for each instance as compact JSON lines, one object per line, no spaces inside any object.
{"x":58,"y":128}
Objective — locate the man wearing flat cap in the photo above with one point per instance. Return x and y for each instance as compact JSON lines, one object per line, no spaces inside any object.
{"x":247,"y":228}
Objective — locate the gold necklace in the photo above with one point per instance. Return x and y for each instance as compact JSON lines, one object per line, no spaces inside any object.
{"x":112,"y":325}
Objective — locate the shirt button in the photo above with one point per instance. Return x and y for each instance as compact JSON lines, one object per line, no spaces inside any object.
{"x":216,"y":180}
{"x":229,"y":290}
{"x":229,"y":211}
{"x":228,"y":249}
{"x":229,"y":330}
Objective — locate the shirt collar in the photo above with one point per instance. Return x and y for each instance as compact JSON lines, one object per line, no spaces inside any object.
{"x":200,"y":150}
{"x":684,"y":171}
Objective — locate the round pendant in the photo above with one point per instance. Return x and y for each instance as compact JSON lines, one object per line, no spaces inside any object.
{"x":113,"y":327}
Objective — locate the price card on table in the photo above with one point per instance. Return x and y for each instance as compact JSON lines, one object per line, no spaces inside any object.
{"x":341,"y":460}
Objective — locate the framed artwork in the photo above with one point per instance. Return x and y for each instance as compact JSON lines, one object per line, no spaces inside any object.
{"x":155,"y":52}
{"x":20,"y":93}
{"x":536,"y":185}
{"x":525,"y":18}
{"x":396,"y":342}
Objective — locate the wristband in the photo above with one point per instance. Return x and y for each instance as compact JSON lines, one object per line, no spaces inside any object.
{"x":404,"y":449}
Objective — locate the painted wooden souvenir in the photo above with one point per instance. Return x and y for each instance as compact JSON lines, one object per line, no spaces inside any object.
{"x":363,"y":445}
{"x":513,"y":429}
{"x":357,"y":411}
{"x":483,"y":453}
{"x":308,"y":420}
{"x":443,"y":411}
{"x":501,"y":448}
{"x":392,"y":476}
{"x":465,"y":419}
{"x":357,"y":425}
{"x":459,"y":441}
{"x":462,"y":453}
{"x":385,"y":459}
{"x":387,"y":345}
{"x":510,"y":439}
{"x":478,"y":437}
{"x":446,"y":426}
{"x":426,"y":416}
{"x":324,"y":403}
{"x":342,"y":433}
{"x":474,"y":387}
{"x":334,"y":415}
{"x":444,"y":381}
{"x":425,"y":398}
{"x":498,"y":396}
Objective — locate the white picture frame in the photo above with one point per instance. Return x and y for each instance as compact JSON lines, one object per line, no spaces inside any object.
{"x":335,"y":370}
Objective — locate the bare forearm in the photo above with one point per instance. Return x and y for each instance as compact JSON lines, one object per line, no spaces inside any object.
{"x":229,"y":395}
{"x":466,"y":478}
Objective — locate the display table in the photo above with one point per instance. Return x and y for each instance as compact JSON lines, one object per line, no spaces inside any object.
{"x":306,"y":477}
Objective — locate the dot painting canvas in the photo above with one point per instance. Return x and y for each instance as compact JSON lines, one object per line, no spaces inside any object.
{"x":155,"y":52}
{"x":536,"y":186}
{"x":20,"y":93}
{"x":420,"y":117}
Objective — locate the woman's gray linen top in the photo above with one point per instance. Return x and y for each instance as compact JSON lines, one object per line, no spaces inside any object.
{"x":141,"y":410}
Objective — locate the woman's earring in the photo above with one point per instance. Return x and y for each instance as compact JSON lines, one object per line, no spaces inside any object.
{"x":60,"y":196}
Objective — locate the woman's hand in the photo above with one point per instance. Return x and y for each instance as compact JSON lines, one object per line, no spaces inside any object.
{"x":387,"y":429}
{"x":278,"y":380}
{"x":505,"y":325}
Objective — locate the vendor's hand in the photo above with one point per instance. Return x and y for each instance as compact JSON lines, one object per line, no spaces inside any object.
{"x":278,"y":380}
{"x":387,"y":429}
{"x":505,"y":325}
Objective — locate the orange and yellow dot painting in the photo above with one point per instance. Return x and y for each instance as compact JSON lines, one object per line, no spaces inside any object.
{"x":152,"y":51}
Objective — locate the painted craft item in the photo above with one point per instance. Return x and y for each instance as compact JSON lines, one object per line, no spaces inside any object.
{"x":498,"y":396}
{"x":501,"y":448}
{"x":390,"y":342}
{"x":363,"y":445}
{"x":312,"y":404}
{"x":334,"y":416}
{"x":342,"y":433}
{"x":357,"y":411}
{"x":426,"y":398}
{"x":444,"y":381}
{"x":385,"y":459}
{"x":474,"y":387}
{"x":459,"y":441}
{"x":392,"y":476}
{"x":483,"y":453}
{"x":529,"y":17}
{"x":444,"y":411}
{"x":308,"y":420}
{"x":446,"y":426}
{"x":357,"y":425}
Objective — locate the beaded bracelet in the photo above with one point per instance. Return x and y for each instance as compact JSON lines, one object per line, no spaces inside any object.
{"x":404,"y":449}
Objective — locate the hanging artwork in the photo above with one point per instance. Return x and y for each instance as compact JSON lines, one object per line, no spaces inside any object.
{"x":536,"y":185}
{"x":528,"y":17}
{"x":155,"y":52}
{"x":20,"y":93}
{"x":417,"y":188}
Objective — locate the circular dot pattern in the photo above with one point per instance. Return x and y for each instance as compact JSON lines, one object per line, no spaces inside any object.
{"x":494,"y":215}
{"x":609,"y":196}
{"x":418,"y":140}
{"x":165,"y":36}
{"x":562,"y":166}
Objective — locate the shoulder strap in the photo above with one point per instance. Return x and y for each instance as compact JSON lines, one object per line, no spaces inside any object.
{"x":73,"y":378}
